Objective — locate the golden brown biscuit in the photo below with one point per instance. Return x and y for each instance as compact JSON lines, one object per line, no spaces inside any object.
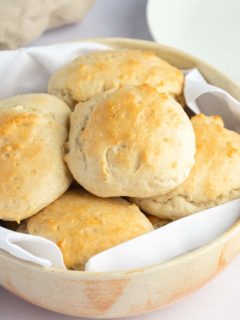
{"x":33,"y":129}
{"x":83,"y":225}
{"x":98,"y":72}
{"x":214,"y":178}
{"x":133,"y":141}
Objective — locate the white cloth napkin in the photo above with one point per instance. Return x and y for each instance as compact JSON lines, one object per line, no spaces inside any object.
{"x":27,"y":70}
{"x":202,"y":97}
{"x":31,"y":248}
{"x":169,"y":241}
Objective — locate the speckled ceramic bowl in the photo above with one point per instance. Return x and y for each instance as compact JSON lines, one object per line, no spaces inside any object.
{"x":120,"y":294}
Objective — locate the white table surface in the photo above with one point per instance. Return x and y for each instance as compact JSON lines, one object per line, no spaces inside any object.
{"x":219,"y":299}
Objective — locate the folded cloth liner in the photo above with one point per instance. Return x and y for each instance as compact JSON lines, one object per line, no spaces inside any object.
{"x":31,"y":248}
{"x":202,"y":97}
{"x":169,"y":241}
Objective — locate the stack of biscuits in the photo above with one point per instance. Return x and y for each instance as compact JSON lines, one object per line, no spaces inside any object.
{"x":110,"y":154}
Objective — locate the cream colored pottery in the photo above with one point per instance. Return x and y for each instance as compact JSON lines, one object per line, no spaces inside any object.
{"x":121,"y":294}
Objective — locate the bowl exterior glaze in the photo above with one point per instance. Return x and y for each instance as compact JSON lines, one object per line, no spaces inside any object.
{"x":122,"y":294}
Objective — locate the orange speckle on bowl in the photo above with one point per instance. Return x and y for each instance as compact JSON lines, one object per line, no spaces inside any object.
{"x":103,"y":294}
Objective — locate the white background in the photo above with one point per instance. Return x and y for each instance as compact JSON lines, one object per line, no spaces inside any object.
{"x":217,"y":300}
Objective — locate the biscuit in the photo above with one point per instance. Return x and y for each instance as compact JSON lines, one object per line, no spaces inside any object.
{"x":133,"y":141}
{"x":83,"y":225}
{"x":214,"y":178}
{"x":33,"y":130}
{"x":98,"y":72}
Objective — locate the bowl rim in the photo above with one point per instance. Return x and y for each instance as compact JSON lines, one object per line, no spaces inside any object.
{"x":227,"y":235}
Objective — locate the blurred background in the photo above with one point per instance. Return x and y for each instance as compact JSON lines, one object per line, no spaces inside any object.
{"x":206,"y":29}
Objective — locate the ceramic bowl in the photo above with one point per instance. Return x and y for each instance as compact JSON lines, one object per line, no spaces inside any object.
{"x":121,"y":294}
